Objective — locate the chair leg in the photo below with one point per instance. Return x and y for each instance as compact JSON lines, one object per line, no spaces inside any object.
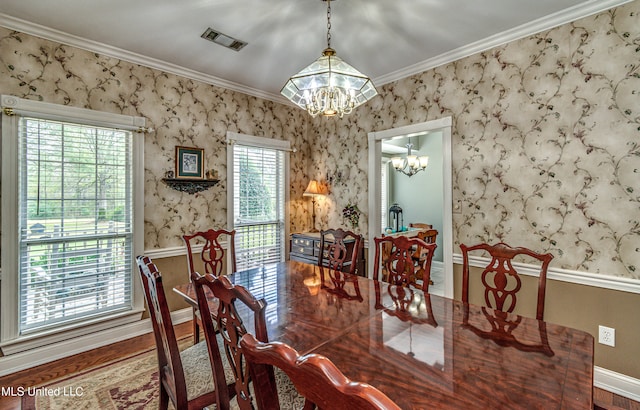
{"x":164,"y":398}
{"x":196,"y":328}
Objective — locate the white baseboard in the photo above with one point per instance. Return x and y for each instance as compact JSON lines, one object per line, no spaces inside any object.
{"x":617,"y":383}
{"x":30,"y":358}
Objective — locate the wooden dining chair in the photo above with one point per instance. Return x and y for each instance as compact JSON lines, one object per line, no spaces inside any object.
{"x":394,"y":255}
{"x":429,"y":236}
{"x":185,"y":377}
{"x":228,"y":329}
{"x":212,"y":258}
{"x":314,"y":376}
{"x":500,"y":279}
{"x":335,"y":252}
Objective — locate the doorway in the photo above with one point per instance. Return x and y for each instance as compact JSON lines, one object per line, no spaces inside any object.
{"x":435,"y":128}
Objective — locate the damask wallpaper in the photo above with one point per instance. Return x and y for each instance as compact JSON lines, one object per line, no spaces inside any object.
{"x":546,"y":134}
{"x":181,"y":111}
{"x":546,"y":142}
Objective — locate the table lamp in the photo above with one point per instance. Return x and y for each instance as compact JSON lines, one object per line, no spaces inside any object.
{"x":314,"y":189}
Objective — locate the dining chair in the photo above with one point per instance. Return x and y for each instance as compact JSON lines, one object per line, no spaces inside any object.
{"x":230,"y":328}
{"x":500,"y":279}
{"x":429,"y":236}
{"x":185,"y":377}
{"x":212,"y":258}
{"x":314,"y":376}
{"x":335,"y":252}
{"x":394,"y":255}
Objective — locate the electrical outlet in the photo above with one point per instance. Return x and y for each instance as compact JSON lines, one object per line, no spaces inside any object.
{"x":607,"y":336}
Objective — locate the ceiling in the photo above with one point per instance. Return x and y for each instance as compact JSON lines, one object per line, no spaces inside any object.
{"x":384,"y":39}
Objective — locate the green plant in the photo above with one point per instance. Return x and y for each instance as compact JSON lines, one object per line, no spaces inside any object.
{"x":352,"y":214}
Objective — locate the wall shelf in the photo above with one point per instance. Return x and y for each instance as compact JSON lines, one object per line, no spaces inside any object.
{"x":190,"y":186}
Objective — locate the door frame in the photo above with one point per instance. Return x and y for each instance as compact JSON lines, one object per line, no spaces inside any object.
{"x":375,"y":155}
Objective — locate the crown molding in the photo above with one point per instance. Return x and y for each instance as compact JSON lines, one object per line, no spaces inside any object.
{"x":527,"y":29}
{"x":47,"y":33}
{"x":522,"y":31}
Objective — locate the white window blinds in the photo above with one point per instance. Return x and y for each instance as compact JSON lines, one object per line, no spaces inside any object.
{"x":259,"y":205}
{"x":75,"y":222}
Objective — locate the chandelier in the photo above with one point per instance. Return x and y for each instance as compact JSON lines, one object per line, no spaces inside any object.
{"x":329,"y":86}
{"x":411,"y":164}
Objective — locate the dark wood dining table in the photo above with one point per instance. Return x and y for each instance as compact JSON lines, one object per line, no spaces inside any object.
{"x":421,"y":350}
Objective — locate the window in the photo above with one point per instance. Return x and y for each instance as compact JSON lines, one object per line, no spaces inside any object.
{"x":258,"y":197}
{"x":75,"y":214}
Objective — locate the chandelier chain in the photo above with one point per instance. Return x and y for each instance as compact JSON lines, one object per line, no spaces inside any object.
{"x":328,"y":23}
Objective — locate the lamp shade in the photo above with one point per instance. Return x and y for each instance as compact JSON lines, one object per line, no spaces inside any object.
{"x":314,"y":188}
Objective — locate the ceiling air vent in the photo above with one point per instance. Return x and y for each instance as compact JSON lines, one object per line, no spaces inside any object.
{"x":223,"y":39}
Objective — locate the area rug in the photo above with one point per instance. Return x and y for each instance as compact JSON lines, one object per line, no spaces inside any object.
{"x":129,"y":383}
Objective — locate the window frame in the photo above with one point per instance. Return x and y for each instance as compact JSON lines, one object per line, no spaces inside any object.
{"x":11,"y":341}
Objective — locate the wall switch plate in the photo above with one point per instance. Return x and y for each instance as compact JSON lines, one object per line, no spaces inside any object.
{"x":607,"y":336}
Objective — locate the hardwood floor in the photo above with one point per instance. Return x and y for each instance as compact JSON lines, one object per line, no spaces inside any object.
{"x":63,"y":367}
{"x":76,"y":363}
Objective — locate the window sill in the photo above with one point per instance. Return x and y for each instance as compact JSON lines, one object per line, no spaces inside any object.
{"x":60,"y":334}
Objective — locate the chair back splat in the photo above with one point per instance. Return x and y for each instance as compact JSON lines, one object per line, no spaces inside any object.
{"x":394,"y":256}
{"x":228,"y":330}
{"x":336,"y":253}
{"x":212,"y":258}
{"x":212,"y":253}
{"x":500,"y":279}
{"x":315,"y":377}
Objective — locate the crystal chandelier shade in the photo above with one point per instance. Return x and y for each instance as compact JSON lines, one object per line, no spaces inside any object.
{"x":329,"y":86}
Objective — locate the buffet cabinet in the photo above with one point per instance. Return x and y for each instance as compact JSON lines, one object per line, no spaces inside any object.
{"x":305,"y":247}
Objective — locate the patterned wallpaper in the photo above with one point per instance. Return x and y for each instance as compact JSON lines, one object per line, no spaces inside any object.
{"x":546,"y":142}
{"x":546,"y":134}
{"x":181,"y":111}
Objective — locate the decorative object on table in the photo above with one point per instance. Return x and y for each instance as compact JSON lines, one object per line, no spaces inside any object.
{"x":352,"y":214}
{"x":395,"y":218}
{"x":329,"y":86}
{"x":411,"y":164}
{"x":189,"y":162}
{"x":313,"y":190}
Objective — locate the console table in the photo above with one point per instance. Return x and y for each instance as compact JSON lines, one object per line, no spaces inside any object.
{"x":305,"y":247}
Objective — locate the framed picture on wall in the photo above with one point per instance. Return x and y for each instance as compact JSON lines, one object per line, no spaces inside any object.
{"x":189,"y":162}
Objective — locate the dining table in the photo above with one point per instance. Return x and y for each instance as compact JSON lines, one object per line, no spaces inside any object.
{"x":421,"y":350}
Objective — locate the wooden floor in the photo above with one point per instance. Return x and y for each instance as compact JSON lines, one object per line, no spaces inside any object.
{"x":63,"y":367}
